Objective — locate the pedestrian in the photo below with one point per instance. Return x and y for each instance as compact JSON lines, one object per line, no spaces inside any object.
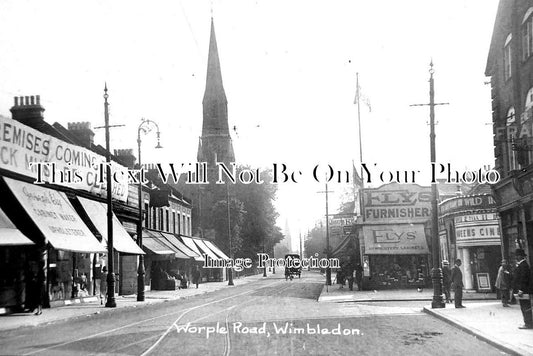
{"x":446,"y":280}
{"x":340,"y":278}
{"x":350,"y":276}
{"x":503,"y":282}
{"x":196,"y":276}
{"x":522,"y":285}
{"x":35,"y":287}
{"x":359,"y":276}
{"x":457,"y":284}
{"x":103,"y":286}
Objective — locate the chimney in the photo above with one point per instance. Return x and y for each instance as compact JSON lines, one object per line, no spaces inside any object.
{"x":126,"y":156}
{"x":28,"y":110}
{"x":83,"y":132}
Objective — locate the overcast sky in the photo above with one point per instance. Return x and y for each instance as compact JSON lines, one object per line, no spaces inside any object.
{"x":289,"y":71}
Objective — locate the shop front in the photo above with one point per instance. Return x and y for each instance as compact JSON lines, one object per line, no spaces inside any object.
{"x":394,"y":239}
{"x":470,"y":231}
{"x":397,"y":256}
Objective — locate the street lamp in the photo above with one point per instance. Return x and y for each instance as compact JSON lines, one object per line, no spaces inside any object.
{"x":145,"y":127}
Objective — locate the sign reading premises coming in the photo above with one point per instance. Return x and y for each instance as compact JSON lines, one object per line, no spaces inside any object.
{"x":21,"y":145}
{"x":404,"y":203}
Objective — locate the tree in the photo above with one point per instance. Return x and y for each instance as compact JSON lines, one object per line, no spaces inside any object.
{"x":315,"y":244}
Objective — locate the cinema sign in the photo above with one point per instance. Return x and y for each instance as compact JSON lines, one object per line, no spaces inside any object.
{"x":400,"y":203}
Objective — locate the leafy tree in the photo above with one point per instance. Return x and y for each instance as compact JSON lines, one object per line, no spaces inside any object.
{"x":316,"y":242}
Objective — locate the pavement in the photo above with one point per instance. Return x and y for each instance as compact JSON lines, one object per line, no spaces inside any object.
{"x":484,"y":316}
{"x":84,"y":307}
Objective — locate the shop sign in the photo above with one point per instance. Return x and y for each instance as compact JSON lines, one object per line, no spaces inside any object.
{"x":443,"y":239}
{"x":397,"y":239}
{"x":401,"y":203}
{"x":55,"y":217}
{"x":74,"y":166}
{"x":474,"y":218}
{"x":467,"y":203}
{"x":478,"y":235}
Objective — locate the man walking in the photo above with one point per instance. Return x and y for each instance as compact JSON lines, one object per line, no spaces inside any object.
{"x":522,"y":287}
{"x":503,"y":283}
{"x":457,"y":284}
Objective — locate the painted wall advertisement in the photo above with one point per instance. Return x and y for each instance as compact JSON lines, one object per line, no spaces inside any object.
{"x":73,"y":166}
{"x":395,"y":239}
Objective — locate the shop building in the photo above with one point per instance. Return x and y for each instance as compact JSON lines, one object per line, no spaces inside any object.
{"x":62,"y":216}
{"x":470,"y":230}
{"x":510,"y":68}
{"x":394,"y":236}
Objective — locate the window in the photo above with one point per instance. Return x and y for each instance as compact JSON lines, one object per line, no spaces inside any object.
{"x":146,"y":212}
{"x":527,"y":34}
{"x":179,"y":223}
{"x":507,"y":58}
{"x":510,"y":121}
{"x":168,"y":220}
{"x":154,"y":218}
{"x":174,"y":222}
{"x":184,"y":226}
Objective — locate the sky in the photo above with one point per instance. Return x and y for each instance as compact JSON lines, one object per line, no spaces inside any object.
{"x":289,"y":72}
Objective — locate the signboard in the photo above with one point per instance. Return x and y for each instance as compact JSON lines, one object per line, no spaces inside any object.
{"x":443,"y":245}
{"x":400,"y":203}
{"x":483,"y":282}
{"x":395,"y":239}
{"x":469,"y":202}
{"x":55,"y":217}
{"x":75,"y":167}
{"x":478,"y":235}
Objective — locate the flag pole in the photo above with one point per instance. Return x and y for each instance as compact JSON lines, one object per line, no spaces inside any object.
{"x":362,"y":190}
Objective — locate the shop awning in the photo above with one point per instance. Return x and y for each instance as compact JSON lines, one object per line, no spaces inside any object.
{"x":190,"y":244}
{"x":395,"y":239}
{"x":55,"y":217}
{"x":164,"y":241}
{"x":342,"y":246}
{"x":206,"y":250}
{"x":97,"y":212}
{"x":152,"y":244}
{"x":181,"y":246}
{"x":9,"y":234}
{"x":216,"y":250}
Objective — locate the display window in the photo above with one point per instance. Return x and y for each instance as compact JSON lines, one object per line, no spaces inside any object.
{"x":399,"y":271}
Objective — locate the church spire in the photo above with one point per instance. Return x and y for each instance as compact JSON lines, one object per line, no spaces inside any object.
{"x":214,"y":102}
{"x":216,"y":139}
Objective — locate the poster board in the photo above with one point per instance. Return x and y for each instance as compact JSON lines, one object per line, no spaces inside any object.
{"x":483,"y":282}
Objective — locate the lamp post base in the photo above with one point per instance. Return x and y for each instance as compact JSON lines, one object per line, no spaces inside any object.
{"x":328,"y":276}
{"x":230,"y":277}
{"x":140,"y":280}
{"x":438,"y":300}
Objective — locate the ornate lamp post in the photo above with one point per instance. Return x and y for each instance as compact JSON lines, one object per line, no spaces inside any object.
{"x":145,"y":127}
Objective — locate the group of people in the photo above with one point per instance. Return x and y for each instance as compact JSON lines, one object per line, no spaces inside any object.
{"x":516,"y":284}
{"x":351,"y":274}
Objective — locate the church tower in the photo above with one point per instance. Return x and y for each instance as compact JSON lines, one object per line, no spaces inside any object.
{"x":215,"y":143}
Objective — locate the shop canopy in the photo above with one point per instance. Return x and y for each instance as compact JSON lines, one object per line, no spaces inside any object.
{"x":97,"y":212}
{"x":9,"y":234}
{"x":154,"y":245}
{"x":164,"y":241}
{"x":206,"y":250}
{"x":181,"y":246}
{"x":342,"y":246}
{"x":395,"y":239}
{"x":55,"y":217}
{"x":216,"y":250}
{"x":190,"y":244}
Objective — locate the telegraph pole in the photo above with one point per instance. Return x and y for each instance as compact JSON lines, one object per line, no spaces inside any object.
{"x":230,"y":270}
{"x":436,"y":273}
{"x":328,"y":269}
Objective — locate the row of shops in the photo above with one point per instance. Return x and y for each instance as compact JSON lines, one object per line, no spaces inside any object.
{"x":54,"y":233}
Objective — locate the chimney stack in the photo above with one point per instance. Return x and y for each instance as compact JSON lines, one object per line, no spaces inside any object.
{"x":83,"y":132}
{"x":28,"y":110}
{"x":126,"y":156}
